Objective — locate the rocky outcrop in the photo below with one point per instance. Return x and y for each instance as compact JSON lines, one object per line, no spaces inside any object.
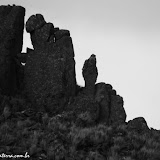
{"x":90,"y":74}
{"x":85,"y":109}
{"x":11,"y":41}
{"x":35,"y":22}
{"x":100,"y":101}
{"x":138,"y":125}
{"x":111,"y":104}
{"x":84,"y":106}
{"x":117,"y":114}
{"x":50,"y":68}
{"x":102,"y":96}
{"x":48,"y":79}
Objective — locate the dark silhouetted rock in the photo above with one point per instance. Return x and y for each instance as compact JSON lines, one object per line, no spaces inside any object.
{"x":56,"y":29}
{"x":84,"y":105}
{"x":90,"y":74}
{"x":61,"y":33}
{"x":11,"y":40}
{"x":111,"y":105}
{"x":103,"y":98}
{"x":35,"y":22}
{"x":41,"y":36}
{"x":22,"y":57}
{"x":117,"y":113}
{"x":50,"y":78}
{"x":138,"y":124}
{"x":29,"y":50}
{"x":86,"y":110}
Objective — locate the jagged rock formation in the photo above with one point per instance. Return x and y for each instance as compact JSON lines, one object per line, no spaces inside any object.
{"x":102,"y":96}
{"x":99,"y":100}
{"x":117,"y":114}
{"x":43,"y":110}
{"x":111,"y":104}
{"x":138,"y":124}
{"x":90,"y":74}
{"x":11,"y":41}
{"x":50,"y":68}
{"x":48,"y":79}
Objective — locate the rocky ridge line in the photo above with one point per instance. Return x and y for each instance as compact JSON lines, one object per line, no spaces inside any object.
{"x":48,"y":80}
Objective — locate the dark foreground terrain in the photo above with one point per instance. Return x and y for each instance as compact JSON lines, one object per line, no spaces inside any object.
{"x":59,"y":137}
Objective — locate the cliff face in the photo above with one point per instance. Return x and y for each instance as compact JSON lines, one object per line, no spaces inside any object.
{"x":11,"y":41}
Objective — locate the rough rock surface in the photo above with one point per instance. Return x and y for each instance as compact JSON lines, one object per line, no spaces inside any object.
{"x":100,"y":100}
{"x":117,"y":113}
{"x":48,"y":77}
{"x":138,"y":124}
{"x":90,"y":74}
{"x":84,"y":105}
{"x":86,"y":110}
{"x":35,"y":22}
{"x":111,"y":105}
{"x":50,"y":68}
{"x":61,"y":33}
{"x":11,"y":40}
{"x":103,"y":98}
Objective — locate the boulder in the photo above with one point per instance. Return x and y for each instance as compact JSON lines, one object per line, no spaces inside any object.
{"x":11,"y":41}
{"x":138,"y":124}
{"x":35,"y":22}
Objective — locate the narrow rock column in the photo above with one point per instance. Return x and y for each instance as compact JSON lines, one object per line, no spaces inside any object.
{"x":90,"y":74}
{"x":11,"y":41}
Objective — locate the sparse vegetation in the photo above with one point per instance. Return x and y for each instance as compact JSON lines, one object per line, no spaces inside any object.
{"x":60,"y":137}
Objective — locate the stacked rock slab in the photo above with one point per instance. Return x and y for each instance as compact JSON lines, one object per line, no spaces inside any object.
{"x":11,"y":41}
{"x":50,"y":78}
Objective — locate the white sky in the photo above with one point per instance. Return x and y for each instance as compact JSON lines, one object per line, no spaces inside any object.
{"x":125,"y":37}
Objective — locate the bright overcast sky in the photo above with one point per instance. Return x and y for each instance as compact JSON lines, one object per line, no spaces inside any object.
{"x":125,"y":37}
